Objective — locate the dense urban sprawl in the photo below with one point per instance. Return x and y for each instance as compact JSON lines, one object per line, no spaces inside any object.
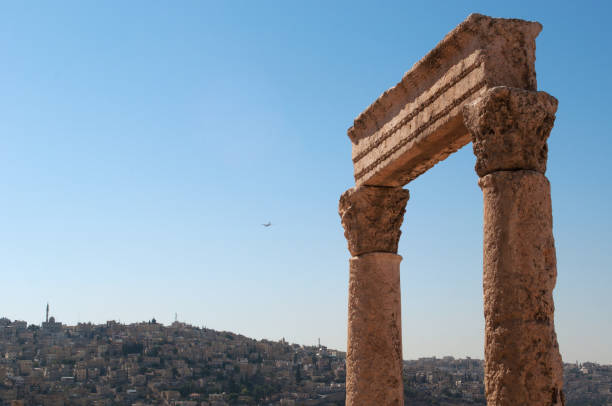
{"x":181,"y":365}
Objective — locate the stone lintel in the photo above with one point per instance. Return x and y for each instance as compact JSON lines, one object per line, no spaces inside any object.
{"x":418,"y":122}
{"x":372,"y":217}
{"x":509,"y":129}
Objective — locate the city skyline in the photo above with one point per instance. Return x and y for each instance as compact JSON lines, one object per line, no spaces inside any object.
{"x":143,"y":146}
{"x":146,"y":363}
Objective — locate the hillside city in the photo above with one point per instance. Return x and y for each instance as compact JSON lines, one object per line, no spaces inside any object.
{"x":181,"y":365}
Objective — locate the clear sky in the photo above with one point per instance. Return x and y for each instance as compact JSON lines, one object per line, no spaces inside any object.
{"x":143,"y":143}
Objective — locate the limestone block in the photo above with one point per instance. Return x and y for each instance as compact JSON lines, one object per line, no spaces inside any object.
{"x":523,"y":364}
{"x":371,"y":217}
{"x":509,"y":129}
{"x":374,"y":356}
{"x":418,"y":122}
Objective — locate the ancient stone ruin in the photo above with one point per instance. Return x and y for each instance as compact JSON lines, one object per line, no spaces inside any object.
{"x":478,"y":84}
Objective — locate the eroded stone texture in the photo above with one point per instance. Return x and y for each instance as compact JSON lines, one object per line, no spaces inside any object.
{"x":374,"y":355}
{"x":371,"y":217}
{"x":522,"y":361}
{"x":418,"y":122}
{"x":477,"y":84}
{"x":509,"y":129}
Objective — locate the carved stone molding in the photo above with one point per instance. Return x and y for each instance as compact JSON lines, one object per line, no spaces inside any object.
{"x":371,"y":217}
{"x":509,"y":129}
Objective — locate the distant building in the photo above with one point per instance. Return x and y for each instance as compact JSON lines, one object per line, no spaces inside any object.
{"x":52,"y":325}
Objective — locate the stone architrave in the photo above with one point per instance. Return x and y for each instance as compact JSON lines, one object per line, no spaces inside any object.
{"x":418,"y":122}
{"x":371,"y":217}
{"x":522,"y":361}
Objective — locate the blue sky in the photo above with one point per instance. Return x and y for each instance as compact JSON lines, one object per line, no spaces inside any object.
{"x":142,"y":144}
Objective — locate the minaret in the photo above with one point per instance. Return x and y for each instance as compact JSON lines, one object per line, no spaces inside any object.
{"x":47,"y":316}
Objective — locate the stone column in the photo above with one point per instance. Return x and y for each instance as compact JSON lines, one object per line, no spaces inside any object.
{"x":509,"y":129}
{"x":371,"y":217}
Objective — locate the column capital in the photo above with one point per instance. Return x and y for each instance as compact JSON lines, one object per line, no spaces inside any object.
{"x":509,"y":129}
{"x":371,"y":217}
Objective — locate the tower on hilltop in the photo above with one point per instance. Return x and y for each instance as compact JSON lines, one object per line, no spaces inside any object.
{"x":50,"y":324}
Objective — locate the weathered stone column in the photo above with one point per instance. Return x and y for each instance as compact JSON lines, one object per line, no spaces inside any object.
{"x":509,"y":130}
{"x":371,"y":217}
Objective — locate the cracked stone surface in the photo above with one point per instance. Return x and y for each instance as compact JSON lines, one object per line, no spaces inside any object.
{"x":522,"y":361}
{"x":374,"y":356}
